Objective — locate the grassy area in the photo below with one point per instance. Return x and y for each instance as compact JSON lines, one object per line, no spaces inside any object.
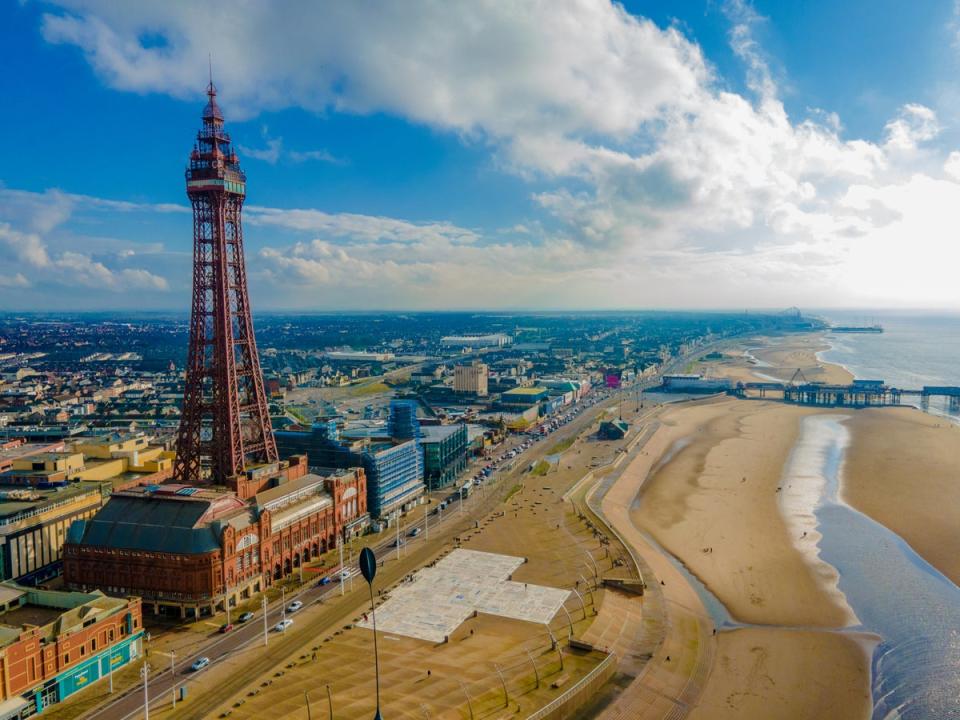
{"x":561,"y":446}
{"x":374,"y":388}
{"x":513,"y":491}
{"x":298,"y":414}
{"x":540,"y":469}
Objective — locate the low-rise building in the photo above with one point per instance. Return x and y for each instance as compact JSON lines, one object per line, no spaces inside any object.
{"x":523,"y":397}
{"x":613,"y":430}
{"x":694,"y":383}
{"x":476,"y":341}
{"x":53,"y":644}
{"x":34,"y":524}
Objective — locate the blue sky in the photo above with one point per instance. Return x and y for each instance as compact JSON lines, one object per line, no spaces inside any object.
{"x":482,"y":154}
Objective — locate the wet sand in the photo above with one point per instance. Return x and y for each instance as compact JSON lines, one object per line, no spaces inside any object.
{"x":712,"y":502}
{"x":764,"y":673}
{"x":903,"y":470}
{"x":716,"y":506}
{"x":710,"y":498}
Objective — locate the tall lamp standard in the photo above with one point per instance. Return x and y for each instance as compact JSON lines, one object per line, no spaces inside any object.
{"x":368,"y":568}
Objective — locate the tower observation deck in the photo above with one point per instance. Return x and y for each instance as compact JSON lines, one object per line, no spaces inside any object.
{"x":225,"y":421}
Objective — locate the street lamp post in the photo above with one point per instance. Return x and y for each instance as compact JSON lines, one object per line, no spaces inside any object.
{"x":426,"y":524}
{"x":350,"y":562}
{"x":263,"y":605}
{"x":173,"y":678}
{"x":144,"y":673}
{"x":283,"y":603}
{"x":368,"y":567}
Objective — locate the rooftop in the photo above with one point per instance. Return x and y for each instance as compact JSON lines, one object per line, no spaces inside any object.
{"x":15,"y":505}
{"x":525,"y":391}
{"x":435,"y":433}
{"x":147,"y":521}
{"x":55,"y":612}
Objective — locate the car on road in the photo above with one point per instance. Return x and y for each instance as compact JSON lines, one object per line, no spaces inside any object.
{"x":397,"y":543}
{"x":325,"y":580}
{"x":246,"y":617}
{"x":294,"y":606}
{"x":225,"y":628}
{"x":283,"y":625}
{"x":200,"y":663}
{"x":414,"y":532}
{"x":344,"y":575}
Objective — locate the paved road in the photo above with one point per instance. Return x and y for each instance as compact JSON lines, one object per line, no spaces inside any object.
{"x":162,"y":684}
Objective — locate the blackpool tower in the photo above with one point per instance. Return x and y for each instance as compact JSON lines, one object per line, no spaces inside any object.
{"x":225,"y":421}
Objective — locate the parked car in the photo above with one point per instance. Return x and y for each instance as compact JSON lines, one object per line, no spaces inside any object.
{"x":294,"y":606}
{"x":246,"y":617}
{"x":200,"y":663}
{"x":283,"y":625}
{"x":225,"y":628}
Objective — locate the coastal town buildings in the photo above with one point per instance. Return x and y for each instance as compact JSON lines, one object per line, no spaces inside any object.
{"x":54,"y":644}
{"x":190,"y":550}
{"x":471,"y":379}
{"x":444,"y":454}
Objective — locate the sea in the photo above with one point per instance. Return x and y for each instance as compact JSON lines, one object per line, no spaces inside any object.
{"x":894,"y":592}
{"x":912,"y":351}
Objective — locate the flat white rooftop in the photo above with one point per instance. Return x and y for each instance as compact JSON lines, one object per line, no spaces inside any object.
{"x":438,"y":599}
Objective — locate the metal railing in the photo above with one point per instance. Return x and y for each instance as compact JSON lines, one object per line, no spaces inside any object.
{"x":560,"y":701}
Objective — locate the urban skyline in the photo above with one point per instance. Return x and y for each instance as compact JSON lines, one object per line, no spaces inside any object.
{"x":481,"y":511}
{"x":676,"y":161}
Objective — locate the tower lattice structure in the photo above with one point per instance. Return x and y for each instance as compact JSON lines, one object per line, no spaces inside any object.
{"x":225,"y":421}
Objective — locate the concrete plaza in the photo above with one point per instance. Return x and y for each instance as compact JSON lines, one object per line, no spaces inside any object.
{"x":438,"y":599}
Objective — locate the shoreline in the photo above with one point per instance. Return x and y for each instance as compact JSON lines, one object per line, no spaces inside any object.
{"x":798,"y":637}
{"x":805,"y":485}
{"x":710,"y":496}
{"x":778,"y":358}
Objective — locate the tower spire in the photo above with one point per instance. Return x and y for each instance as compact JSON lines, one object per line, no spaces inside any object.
{"x":225,"y":420}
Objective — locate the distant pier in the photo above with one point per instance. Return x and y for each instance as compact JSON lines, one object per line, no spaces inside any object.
{"x":856,"y":328}
{"x":858,"y":394}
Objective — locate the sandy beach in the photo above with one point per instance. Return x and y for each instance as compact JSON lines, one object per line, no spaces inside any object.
{"x":713,"y":489}
{"x":705,"y":488}
{"x":764,"y":673}
{"x":779,"y":358}
{"x":902,"y":469}
{"x":715,"y":505}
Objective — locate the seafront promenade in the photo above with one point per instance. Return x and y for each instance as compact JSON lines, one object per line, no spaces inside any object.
{"x":666,"y":641}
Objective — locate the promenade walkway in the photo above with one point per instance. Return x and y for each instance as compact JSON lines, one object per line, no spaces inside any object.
{"x":675,"y":632}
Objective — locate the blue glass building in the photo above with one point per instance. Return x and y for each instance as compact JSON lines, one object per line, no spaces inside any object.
{"x":393,"y":465}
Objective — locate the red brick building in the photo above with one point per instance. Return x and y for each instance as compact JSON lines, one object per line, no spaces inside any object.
{"x":53,"y":644}
{"x":193,"y":549}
